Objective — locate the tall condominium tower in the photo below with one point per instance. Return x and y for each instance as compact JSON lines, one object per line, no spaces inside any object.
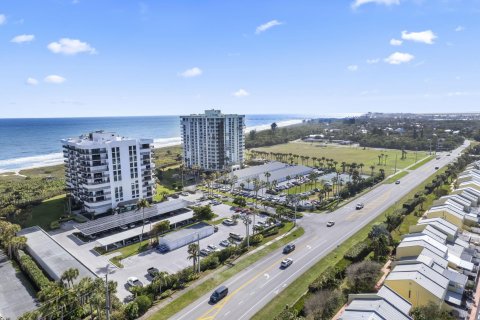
{"x":213,"y":141}
{"x":105,"y":170}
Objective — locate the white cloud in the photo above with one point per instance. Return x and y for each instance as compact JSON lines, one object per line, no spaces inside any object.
{"x":396,"y":42}
{"x":460,"y":28}
{"x":424,"y":36}
{"x":358,"y":3}
{"x":270,"y":24}
{"x":23,"y":38}
{"x":32,"y":81}
{"x":399,"y":58}
{"x":70,"y":47}
{"x":240,"y":93}
{"x":190,"y":73}
{"x":3,"y":19}
{"x":352,"y":67}
{"x":54,"y":79}
{"x":373,"y":61}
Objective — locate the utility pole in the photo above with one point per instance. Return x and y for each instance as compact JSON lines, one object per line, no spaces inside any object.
{"x":416,"y":150}
{"x":198,"y":252}
{"x":395,"y":163}
{"x":107,"y":295}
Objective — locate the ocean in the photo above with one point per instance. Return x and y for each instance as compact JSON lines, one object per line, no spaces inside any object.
{"x":27,"y":143}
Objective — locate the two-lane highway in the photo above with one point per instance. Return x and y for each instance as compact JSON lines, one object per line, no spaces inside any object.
{"x":255,"y":286}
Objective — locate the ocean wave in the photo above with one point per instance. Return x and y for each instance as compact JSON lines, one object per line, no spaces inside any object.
{"x":31,"y":162}
{"x":268,"y":126}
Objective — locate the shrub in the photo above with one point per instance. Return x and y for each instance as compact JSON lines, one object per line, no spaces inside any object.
{"x":324,"y":304}
{"x":32,"y":270}
{"x":131,"y":311}
{"x":211,"y":262}
{"x":358,"y":251}
{"x":362,"y":276}
{"x":166,"y":294}
{"x":270,"y":232}
{"x":256,"y":239}
{"x":240,"y":201}
{"x":54,"y":225}
{"x":143,"y":302}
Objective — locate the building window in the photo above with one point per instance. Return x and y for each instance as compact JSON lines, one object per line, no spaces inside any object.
{"x":116,"y":166}
{"x":118,"y":194}
{"x":135,"y":190}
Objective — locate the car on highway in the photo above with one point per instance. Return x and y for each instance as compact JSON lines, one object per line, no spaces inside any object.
{"x":397,"y":182}
{"x":219,"y":294}
{"x":330,"y":223}
{"x":134,"y":282}
{"x":288,"y":248}
{"x":152,"y":272}
{"x":436,"y":168}
{"x":228,"y":222}
{"x":225,"y":243}
{"x":286,"y":263}
{"x":359,"y":206}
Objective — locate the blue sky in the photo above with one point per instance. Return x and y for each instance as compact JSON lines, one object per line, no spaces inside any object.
{"x":116,"y":58}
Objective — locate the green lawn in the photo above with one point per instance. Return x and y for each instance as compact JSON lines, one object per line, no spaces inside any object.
{"x":299,"y":287}
{"x":160,"y":189}
{"x":129,"y":251}
{"x":46,"y":212}
{"x":189,"y":297}
{"x":421,"y":163}
{"x":368,"y":157}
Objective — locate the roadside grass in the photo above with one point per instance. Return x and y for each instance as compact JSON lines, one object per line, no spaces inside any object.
{"x":394,"y":178}
{"x":296,"y":290}
{"x":189,"y":297}
{"x":367,"y":156}
{"x":160,"y":189}
{"x":46,"y":212}
{"x":421,"y":163}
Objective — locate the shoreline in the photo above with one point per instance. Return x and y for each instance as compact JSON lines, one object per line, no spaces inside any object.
{"x":55,"y":159}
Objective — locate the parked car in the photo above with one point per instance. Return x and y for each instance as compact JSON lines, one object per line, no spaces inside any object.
{"x":359,"y":206}
{"x":330,"y":223}
{"x":153,"y":271}
{"x":205,"y":252}
{"x":132,"y":225}
{"x":134,"y":282}
{"x":228,"y":222}
{"x":219,"y":294}
{"x":235,"y":236}
{"x":225,"y":243}
{"x":162,"y":248}
{"x":212,"y":247}
{"x":286,"y":263}
{"x":288,"y":248}
{"x":123,"y":227}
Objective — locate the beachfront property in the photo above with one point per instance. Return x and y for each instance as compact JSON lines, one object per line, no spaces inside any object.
{"x":213,"y":141}
{"x":105,"y":170}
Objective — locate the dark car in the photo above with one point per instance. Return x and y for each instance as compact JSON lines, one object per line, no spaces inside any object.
{"x":219,"y":294}
{"x":153,"y":271}
{"x":289,"y":248}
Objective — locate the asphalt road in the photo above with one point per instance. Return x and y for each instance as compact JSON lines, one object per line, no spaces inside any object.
{"x":255,"y":286}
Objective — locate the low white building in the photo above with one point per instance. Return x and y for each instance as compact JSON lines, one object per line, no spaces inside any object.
{"x":104,"y":170}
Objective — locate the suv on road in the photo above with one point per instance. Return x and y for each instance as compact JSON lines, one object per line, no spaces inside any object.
{"x":359,"y":206}
{"x":330,"y":223}
{"x":288,"y":248}
{"x":219,"y":294}
{"x":286,"y":263}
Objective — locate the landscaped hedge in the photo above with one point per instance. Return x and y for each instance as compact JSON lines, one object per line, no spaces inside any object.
{"x":358,"y":252}
{"x":32,"y":270}
{"x":331,"y":277}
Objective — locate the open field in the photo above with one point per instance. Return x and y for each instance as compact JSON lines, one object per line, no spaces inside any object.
{"x":46,"y":212}
{"x":367,"y":156}
{"x":167,"y":156}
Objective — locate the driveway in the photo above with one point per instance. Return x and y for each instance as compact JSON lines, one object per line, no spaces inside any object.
{"x":16,"y":293}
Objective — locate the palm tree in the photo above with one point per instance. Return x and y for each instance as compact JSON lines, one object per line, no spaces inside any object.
{"x":247,"y":222}
{"x":69,"y":275}
{"x":159,"y":228}
{"x":267,"y":175}
{"x":193,"y":251}
{"x":372,"y":167}
{"x":141,"y":205}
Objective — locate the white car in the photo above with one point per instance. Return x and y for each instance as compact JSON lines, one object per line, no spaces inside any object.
{"x":134,"y":282}
{"x":212,"y":247}
{"x":225,"y":243}
{"x":286,"y":262}
{"x":330,"y":223}
{"x":228,"y":222}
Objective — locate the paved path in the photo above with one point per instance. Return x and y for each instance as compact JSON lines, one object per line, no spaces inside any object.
{"x":251,"y":289}
{"x":16,"y":295}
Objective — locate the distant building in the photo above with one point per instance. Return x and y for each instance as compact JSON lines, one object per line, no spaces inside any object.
{"x":213,"y":141}
{"x":104,"y":170}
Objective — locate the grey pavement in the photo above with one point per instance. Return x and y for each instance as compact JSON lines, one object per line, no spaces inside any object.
{"x":251,"y":289}
{"x":16,"y":293}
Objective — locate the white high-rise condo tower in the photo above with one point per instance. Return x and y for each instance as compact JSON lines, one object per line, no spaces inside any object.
{"x":213,"y":141}
{"x":104,"y":170}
